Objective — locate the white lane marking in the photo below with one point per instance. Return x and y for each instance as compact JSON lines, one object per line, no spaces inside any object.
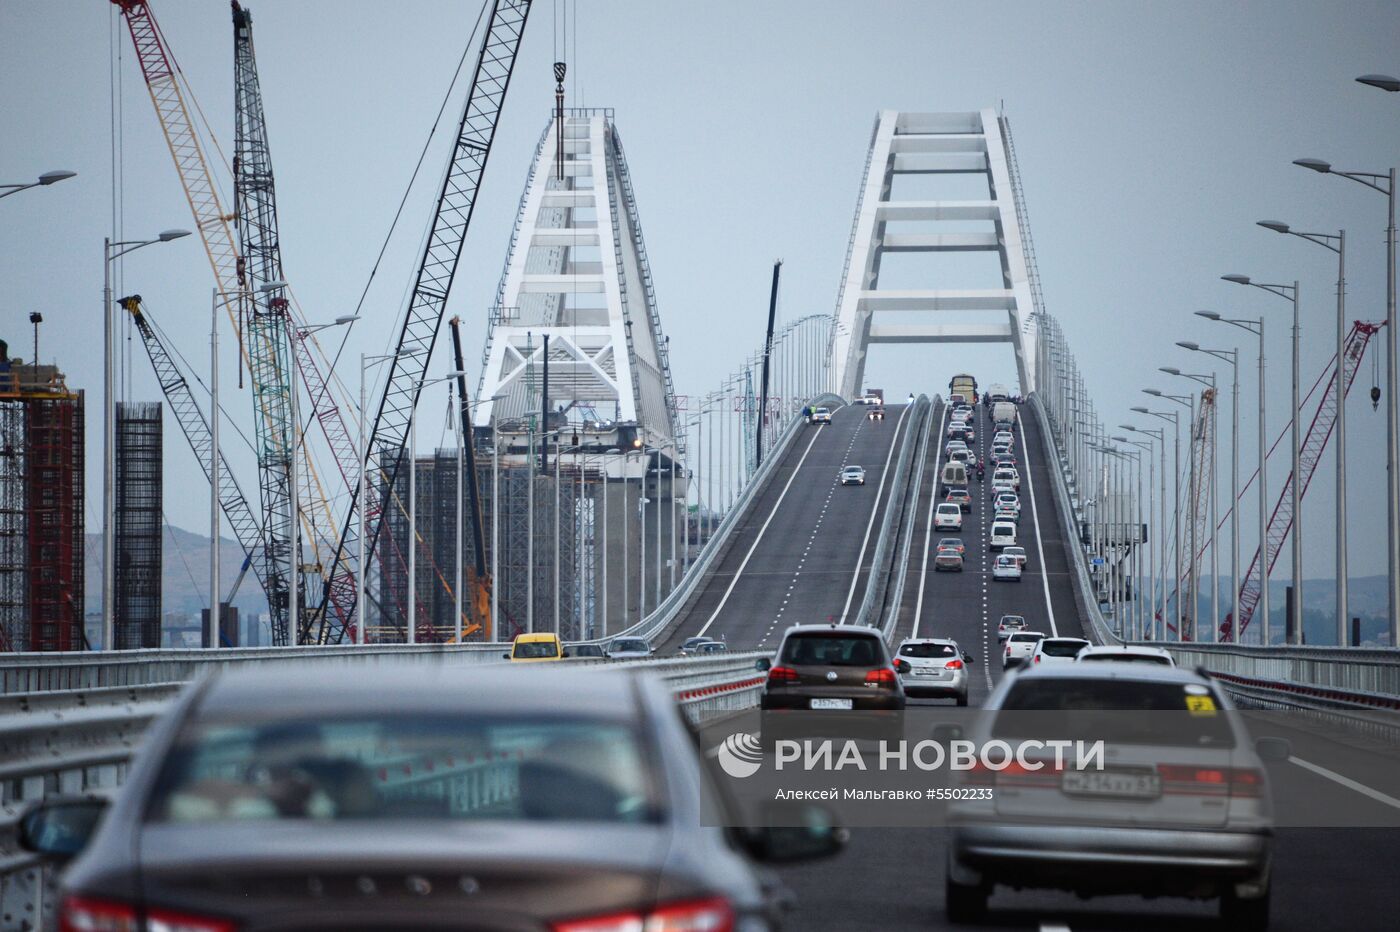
{"x":1347,"y":782}
{"x":928,"y":525}
{"x":761,"y":531}
{"x":884,"y":474}
{"x":1035,"y":517}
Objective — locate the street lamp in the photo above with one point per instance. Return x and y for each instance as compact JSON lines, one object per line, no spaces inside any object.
{"x":366,"y":362}
{"x":1338,"y":244}
{"x":1176,"y":504}
{"x":1290,"y":293}
{"x":1143,"y":446}
{"x":1383,"y":81}
{"x":46,"y":179}
{"x":110,"y":252}
{"x":1232,"y":357}
{"x":1385,"y":184}
{"x":1158,"y":434}
{"x":1209,"y":382}
{"x":1255,"y":327}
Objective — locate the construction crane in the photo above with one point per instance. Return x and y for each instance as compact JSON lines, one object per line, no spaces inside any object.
{"x":265,"y":346}
{"x":438,"y":264}
{"x":1197,"y":523}
{"x":477,"y":598}
{"x":1314,"y":442}
{"x":195,"y":427}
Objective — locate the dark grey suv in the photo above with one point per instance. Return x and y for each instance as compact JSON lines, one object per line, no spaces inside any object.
{"x":413,"y":797}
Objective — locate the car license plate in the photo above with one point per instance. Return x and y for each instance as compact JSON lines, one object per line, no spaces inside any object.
{"x":1111,"y":783}
{"x":831,"y":703}
{"x":927,"y":671}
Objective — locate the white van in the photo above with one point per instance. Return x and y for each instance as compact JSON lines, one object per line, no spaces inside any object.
{"x":1004,"y":411}
{"x":997,"y":393}
{"x":1003,"y":535}
{"x":954,"y":476}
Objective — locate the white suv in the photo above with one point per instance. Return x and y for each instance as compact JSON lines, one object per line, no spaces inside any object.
{"x":1003,"y":534}
{"x":1051,"y":651}
{"x":948,"y":517}
{"x":1020,"y":647}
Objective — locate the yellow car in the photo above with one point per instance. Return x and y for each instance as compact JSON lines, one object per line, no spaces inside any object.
{"x":535,"y":648}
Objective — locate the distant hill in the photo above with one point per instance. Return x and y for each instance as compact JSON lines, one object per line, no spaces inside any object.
{"x":184,"y":574}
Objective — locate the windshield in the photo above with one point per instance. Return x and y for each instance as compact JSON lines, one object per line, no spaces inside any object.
{"x":927,"y":650}
{"x":529,"y":650}
{"x":835,"y":650}
{"x":551,"y":770}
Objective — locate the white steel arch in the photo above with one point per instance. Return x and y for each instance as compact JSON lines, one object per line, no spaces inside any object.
{"x":934,"y":143}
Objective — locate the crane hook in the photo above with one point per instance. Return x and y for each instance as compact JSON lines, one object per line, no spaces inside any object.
{"x":1375,"y":397}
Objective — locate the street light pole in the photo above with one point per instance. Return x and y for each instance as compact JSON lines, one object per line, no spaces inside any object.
{"x":1385,"y":184}
{"x":110,"y":252}
{"x":46,"y":179}
{"x":211,"y":638}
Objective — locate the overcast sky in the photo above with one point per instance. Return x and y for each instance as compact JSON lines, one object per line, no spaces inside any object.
{"x":1151,"y":136}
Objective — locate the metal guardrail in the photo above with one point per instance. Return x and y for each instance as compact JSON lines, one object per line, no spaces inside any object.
{"x":909,"y":506}
{"x":1099,"y":630}
{"x":81,"y":740}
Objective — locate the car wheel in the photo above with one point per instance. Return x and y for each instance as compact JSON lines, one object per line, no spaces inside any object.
{"x":962,"y":699}
{"x":1250,"y":915}
{"x":964,"y":903}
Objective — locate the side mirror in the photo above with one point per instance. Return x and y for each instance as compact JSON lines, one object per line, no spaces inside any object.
{"x":1273,"y":749}
{"x":59,"y":829}
{"x":506,"y":655}
{"x":651,"y":650}
{"x":968,"y":658}
{"x":563,"y":653}
{"x":946,"y":733}
{"x":762,"y":664}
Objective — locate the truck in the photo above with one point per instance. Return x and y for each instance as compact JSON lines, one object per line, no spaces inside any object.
{"x":1003,"y":412}
{"x":872,"y":396}
{"x":965,"y":385}
{"x":997,"y":392}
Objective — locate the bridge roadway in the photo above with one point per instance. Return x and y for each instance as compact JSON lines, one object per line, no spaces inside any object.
{"x":803,"y":553}
{"x":892,"y":879}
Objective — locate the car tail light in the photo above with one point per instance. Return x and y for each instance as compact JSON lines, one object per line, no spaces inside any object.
{"x":1036,"y":659}
{"x":884,"y":676}
{"x":953,"y":665}
{"x":1185,"y":779}
{"x":712,"y":915}
{"x":81,"y":914}
{"x":782,"y":675}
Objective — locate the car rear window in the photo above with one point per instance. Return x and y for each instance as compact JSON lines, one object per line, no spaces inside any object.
{"x":1058,"y":648}
{"x":386,"y":767}
{"x":1031,"y":636}
{"x":1131,"y":658}
{"x":1003,"y":530}
{"x":1065,"y":707}
{"x":629,"y":644}
{"x":836,"y":650}
{"x":927,"y":650}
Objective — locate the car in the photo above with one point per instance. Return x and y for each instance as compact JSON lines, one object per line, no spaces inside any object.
{"x":831,"y":667}
{"x":1180,"y":809}
{"x":1003,"y":535}
{"x":1019,"y":647}
{"x":1009,"y":499}
{"x":934,"y":667}
{"x":261,"y":795}
{"x":948,"y":559}
{"x":1018,"y":552}
{"x":960,"y":455}
{"x":1007,"y":568}
{"x":953,"y":446}
{"x":535,"y":648}
{"x":691,"y":644}
{"x":1009,"y":624}
{"x":712,"y":647}
{"x":853,"y":475}
{"x":1003,"y":459}
{"x":629,"y":649}
{"x":1003,"y":438}
{"x":595,"y":651}
{"x":821,"y":415}
{"x":948,"y":517}
{"x":1006,"y":514}
{"x":1055,"y":650}
{"x":954,"y":543}
{"x":877,"y":413}
{"x":870,"y":399}
{"x":960,"y":497}
{"x":1005,"y":475}
{"x":1136,"y":655}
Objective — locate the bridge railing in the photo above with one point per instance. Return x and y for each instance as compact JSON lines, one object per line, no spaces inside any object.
{"x":886,"y":588}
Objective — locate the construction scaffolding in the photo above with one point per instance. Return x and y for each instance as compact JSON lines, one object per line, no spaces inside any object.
{"x":41,"y":509}
{"x":136,"y":609}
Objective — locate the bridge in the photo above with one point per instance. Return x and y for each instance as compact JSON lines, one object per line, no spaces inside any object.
{"x":749,"y":536}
